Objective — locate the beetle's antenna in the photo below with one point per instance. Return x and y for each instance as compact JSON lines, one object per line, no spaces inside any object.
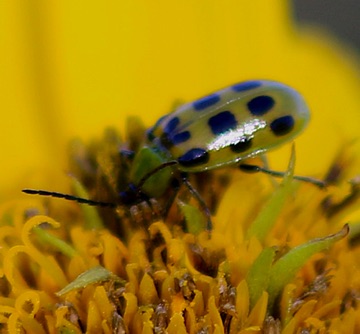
{"x":154,"y":171}
{"x":68,"y":197}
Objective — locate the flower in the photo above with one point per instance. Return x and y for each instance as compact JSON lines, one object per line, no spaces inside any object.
{"x":263,"y":267}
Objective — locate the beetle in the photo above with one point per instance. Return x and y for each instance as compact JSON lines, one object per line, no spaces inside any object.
{"x":224,"y":128}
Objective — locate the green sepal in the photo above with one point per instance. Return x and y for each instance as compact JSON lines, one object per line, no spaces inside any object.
{"x":258,"y":276}
{"x":50,"y":239}
{"x":194,"y":218}
{"x":94,"y":275}
{"x":285,"y":269}
{"x":268,"y":215}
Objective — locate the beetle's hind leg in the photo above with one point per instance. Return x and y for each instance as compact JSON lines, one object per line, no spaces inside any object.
{"x":175,"y":187}
{"x":249,"y":168}
{"x":200,"y":200}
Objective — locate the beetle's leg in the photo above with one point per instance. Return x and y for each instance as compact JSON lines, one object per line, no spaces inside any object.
{"x":197,"y":196}
{"x":255,"y":169}
{"x":175,"y":186}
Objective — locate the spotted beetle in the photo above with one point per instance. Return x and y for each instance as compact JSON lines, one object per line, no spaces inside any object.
{"x":224,"y":128}
{"x":236,"y":123}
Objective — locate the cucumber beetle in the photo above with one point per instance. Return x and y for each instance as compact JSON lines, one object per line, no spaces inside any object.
{"x":224,"y":128}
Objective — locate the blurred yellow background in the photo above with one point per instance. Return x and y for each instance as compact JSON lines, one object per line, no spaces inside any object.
{"x":71,"y":68}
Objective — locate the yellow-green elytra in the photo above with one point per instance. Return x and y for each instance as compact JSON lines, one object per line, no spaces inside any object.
{"x":231,"y":125}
